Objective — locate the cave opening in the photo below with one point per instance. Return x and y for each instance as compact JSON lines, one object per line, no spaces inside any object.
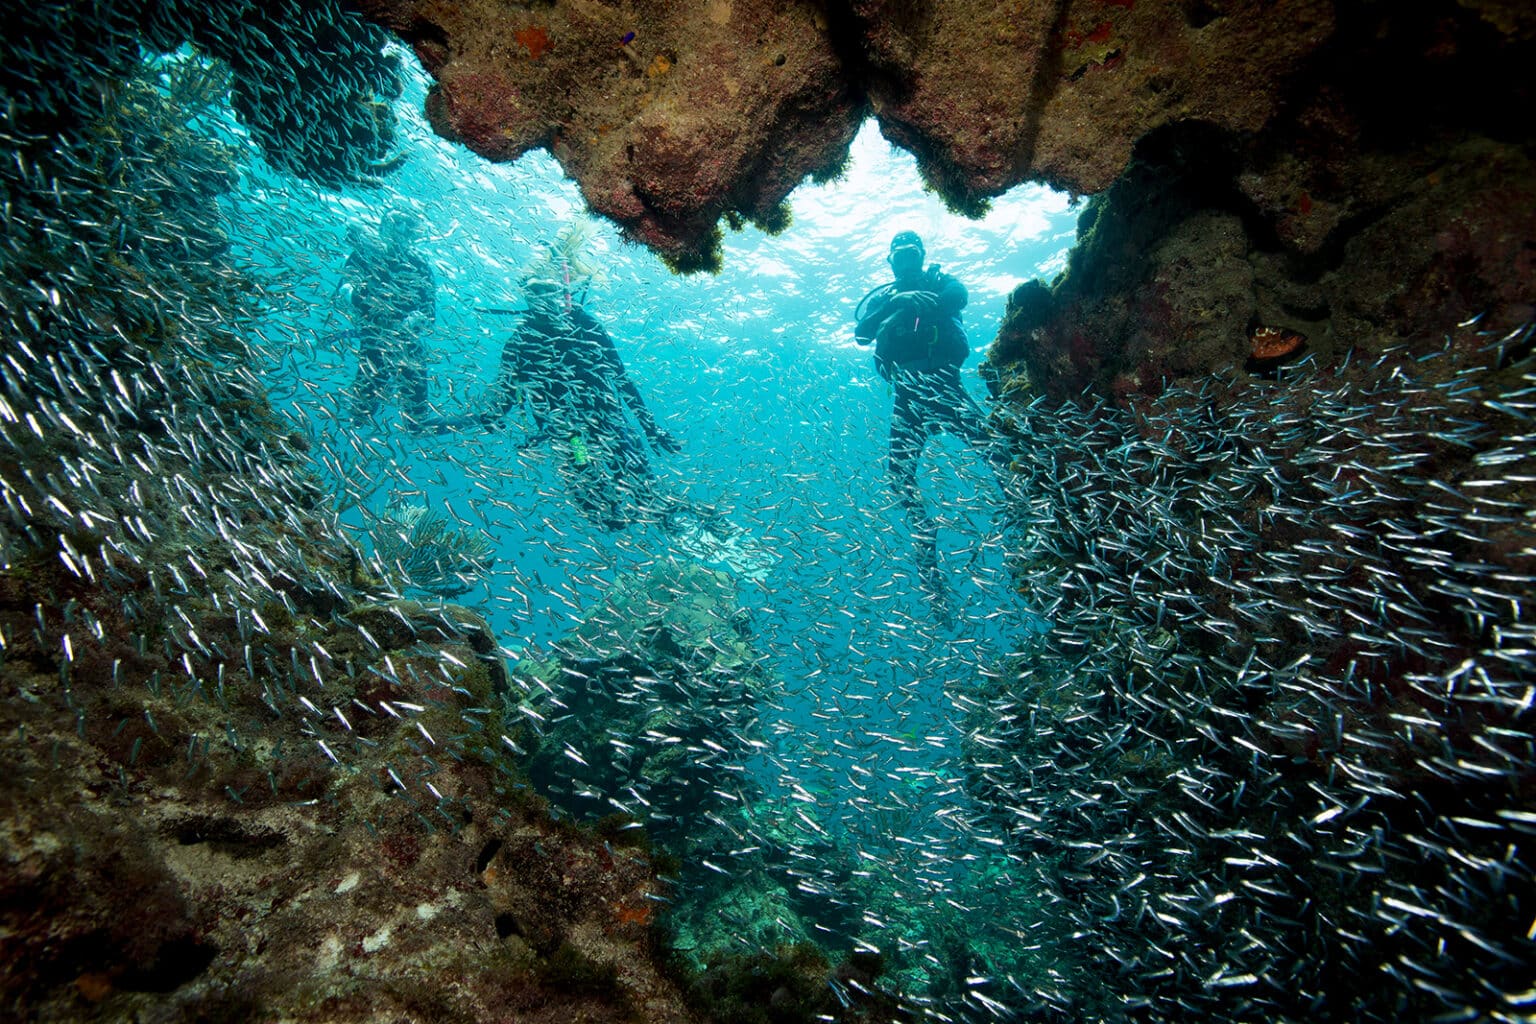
{"x":782,"y":423}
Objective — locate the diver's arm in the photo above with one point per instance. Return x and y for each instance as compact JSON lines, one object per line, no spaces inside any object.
{"x":631,"y":394}
{"x":937,"y":293}
{"x":511,"y":395}
{"x":508,"y":384}
{"x":951,"y":295}
{"x":653,"y":432}
{"x":869,"y":324}
{"x":628,"y":391}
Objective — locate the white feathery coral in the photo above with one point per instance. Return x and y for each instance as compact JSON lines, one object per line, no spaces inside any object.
{"x":419,"y":548}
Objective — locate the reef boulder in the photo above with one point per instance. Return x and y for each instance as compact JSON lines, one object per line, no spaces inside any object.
{"x":1351,"y":155}
{"x":669,"y":116}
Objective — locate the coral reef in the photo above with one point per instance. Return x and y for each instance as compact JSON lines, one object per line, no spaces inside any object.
{"x":234,"y":866}
{"x":415,"y":544}
{"x":652,"y":699}
{"x":1386,"y":202}
{"x":648,"y":708}
{"x":1273,"y":761}
{"x":989,"y":95}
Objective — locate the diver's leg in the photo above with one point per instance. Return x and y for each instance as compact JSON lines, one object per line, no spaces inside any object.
{"x":412,"y":369}
{"x":367,"y":385}
{"x":592,"y":492}
{"x":962,"y":417}
{"x":634,"y":481}
{"x":909,"y":433}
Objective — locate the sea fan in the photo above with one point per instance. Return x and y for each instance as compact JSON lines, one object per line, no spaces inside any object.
{"x":419,"y":547}
{"x":566,"y":258}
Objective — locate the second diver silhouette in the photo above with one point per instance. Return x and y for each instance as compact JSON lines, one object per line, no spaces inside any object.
{"x":562,"y":367}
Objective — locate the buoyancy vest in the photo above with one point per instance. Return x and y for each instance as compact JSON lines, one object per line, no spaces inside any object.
{"x":908,"y":340}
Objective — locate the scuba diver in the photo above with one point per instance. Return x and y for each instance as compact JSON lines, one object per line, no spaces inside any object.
{"x":914,"y":324}
{"x":394,"y":301}
{"x":563,"y":366}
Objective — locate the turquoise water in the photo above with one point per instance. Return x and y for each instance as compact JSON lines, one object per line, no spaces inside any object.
{"x":783,"y":424}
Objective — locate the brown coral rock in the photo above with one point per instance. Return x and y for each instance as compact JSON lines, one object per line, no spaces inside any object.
{"x":670,"y":115}
{"x":667,"y":115}
{"x":989,"y":95}
{"x":1386,"y":200}
{"x":141,"y":880}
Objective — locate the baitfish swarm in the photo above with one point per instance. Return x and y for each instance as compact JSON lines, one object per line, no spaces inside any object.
{"x":173,"y":581}
{"x":1274,"y":760}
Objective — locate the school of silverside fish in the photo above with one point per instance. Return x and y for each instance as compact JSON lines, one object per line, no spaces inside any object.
{"x":1273,"y":759}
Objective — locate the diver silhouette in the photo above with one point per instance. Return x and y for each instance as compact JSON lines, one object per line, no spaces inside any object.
{"x":393,"y":296}
{"x":914,"y":324}
{"x":563,"y":367}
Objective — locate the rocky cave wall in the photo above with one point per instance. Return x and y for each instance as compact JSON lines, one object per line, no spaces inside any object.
{"x":1347,"y":172}
{"x":183,"y":836}
{"x":1389,"y":198}
{"x":245,"y":780}
{"x":672,"y":116}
